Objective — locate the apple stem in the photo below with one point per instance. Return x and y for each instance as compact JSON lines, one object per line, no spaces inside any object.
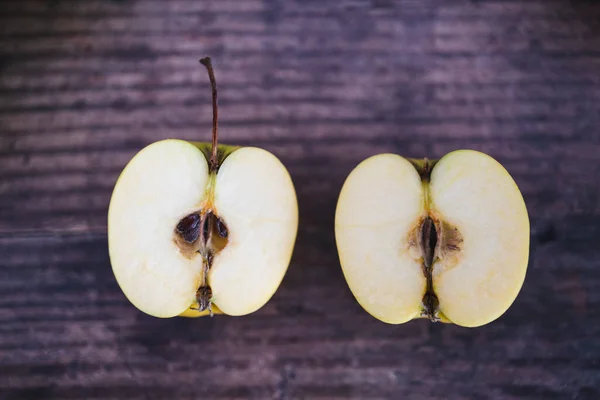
{"x":214,"y":160}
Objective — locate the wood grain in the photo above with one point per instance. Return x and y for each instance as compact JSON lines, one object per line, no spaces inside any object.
{"x":323,"y":85}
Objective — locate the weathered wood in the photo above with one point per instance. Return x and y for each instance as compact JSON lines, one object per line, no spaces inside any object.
{"x":85,"y":85}
{"x":65,"y":320}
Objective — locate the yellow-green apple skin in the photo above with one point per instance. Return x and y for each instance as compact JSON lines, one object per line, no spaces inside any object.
{"x":482,"y":249}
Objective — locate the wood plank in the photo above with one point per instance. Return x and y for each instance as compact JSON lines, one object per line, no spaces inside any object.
{"x":153,"y":6}
{"x":43,"y":189}
{"x":68,"y":323}
{"x":323,"y":85}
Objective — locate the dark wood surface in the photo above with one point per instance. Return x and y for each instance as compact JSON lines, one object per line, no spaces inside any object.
{"x":322,"y":84}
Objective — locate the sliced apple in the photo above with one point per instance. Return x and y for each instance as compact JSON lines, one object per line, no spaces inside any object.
{"x":446,"y":240}
{"x":379,"y":205}
{"x":195,"y":228}
{"x":255,"y":197}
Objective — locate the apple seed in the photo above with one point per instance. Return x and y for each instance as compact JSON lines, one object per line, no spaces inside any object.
{"x":221,"y":228}
{"x":188,"y":228}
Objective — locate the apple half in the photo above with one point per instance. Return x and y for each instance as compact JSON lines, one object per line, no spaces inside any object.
{"x":447,"y":240}
{"x":197,"y":228}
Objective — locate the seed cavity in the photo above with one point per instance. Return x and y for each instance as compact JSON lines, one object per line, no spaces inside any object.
{"x":222,"y":229}
{"x":439,"y":245}
{"x":203,"y":234}
{"x":451,"y":241}
{"x":428,"y":243}
{"x":434,"y":242}
{"x":205,"y":227}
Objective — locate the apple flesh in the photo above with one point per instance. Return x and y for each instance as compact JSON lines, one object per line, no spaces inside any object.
{"x":187,"y":239}
{"x":446,"y":240}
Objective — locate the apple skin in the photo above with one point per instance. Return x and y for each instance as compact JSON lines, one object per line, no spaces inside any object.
{"x":193,"y":313}
{"x":223,"y":150}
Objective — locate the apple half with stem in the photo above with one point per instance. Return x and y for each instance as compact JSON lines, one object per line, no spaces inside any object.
{"x":446,"y":240}
{"x":201,"y":228}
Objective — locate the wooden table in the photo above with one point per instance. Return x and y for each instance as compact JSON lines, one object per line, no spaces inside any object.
{"x":84,"y":85}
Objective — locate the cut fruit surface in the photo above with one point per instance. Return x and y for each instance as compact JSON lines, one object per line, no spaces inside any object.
{"x":168,"y":186}
{"x":380,"y":203}
{"x":255,"y":197}
{"x":164,"y":182}
{"x":474,"y":193}
{"x":448,"y":240}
